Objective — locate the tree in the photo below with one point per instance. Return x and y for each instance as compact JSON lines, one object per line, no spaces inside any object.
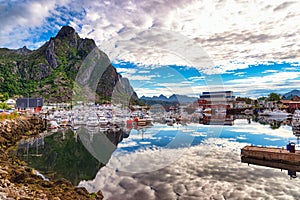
{"x":4,"y":96}
{"x":261,"y":98}
{"x":4,"y":106}
{"x":273,"y":97}
{"x":246,"y":99}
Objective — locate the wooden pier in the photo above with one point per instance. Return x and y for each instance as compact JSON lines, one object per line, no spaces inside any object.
{"x":272,"y":164}
{"x":281,"y":155}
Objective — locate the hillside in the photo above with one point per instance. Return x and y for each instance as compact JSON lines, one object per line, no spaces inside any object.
{"x":51,"y":71}
{"x":291,"y":94}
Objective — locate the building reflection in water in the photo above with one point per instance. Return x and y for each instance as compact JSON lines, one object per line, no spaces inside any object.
{"x":217,"y":119}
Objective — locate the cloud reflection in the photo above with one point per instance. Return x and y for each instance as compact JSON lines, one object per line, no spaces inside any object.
{"x":218,"y":175}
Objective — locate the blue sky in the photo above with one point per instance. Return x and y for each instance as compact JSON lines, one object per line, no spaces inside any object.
{"x":186,"y":47}
{"x":254,"y":81}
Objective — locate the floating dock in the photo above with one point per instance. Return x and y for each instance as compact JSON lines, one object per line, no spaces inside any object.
{"x":266,"y":163}
{"x":281,"y":155}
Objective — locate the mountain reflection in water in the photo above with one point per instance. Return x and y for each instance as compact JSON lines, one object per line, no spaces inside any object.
{"x":100,"y":144}
{"x":74,"y":155}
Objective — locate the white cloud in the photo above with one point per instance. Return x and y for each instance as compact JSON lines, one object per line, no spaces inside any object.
{"x":296,"y":64}
{"x":269,"y":71}
{"x":254,"y":86}
{"x":281,"y":132}
{"x":140,"y":77}
{"x":144,"y":71}
{"x":196,"y":78}
{"x":290,"y":68}
{"x":126,"y":70}
{"x":239,"y":73}
{"x":149,"y":91}
{"x":228,"y":31}
{"x":154,"y":33}
{"x":22,"y":21}
{"x":277,"y":78}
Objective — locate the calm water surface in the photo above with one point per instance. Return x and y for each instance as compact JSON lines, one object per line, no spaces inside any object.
{"x":166,"y":162}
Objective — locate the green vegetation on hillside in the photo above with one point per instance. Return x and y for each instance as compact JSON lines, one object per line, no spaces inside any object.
{"x":51,"y":70}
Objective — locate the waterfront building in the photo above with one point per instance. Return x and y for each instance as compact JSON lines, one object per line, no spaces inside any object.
{"x":291,"y":104}
{"x":30,"y":104}
{"x":223,"y":99}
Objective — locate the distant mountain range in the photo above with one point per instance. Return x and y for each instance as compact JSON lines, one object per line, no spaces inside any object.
{"x":291,"y":94}
{"x":65,"y":66}
{"x":175,"y":98}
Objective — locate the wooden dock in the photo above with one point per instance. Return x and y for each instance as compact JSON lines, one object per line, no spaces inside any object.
{"x":272,"y":154}
{"x":272,"y":164}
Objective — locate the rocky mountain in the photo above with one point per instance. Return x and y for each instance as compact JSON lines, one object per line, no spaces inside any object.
{"x":63,"y":67}
{"x":291,"y":94}
{"x":175,"y":98}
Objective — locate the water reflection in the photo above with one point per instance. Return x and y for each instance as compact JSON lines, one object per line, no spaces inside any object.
{"x":291,"y":169}
{"x":75,"y":155}
{"x":217,"y":119}
{"x":274,"y":121}
{"x":78,"y":155}
{"x":101,"y":144}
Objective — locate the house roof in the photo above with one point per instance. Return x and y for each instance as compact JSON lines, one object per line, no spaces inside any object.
{"x":30,"y":102}
{"x":289,"y":102}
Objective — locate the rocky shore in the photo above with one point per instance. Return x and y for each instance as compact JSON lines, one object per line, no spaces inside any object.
{"x":17,"y":181}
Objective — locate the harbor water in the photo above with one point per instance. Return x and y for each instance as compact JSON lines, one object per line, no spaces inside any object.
{"x":190,"y":161}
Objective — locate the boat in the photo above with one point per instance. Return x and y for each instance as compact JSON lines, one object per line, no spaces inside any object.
{"x":170,"y":120}
{"x":92,"y":121}
{"x":207,"y":111}
{"x":103,"y":121}
{"x":79,"y":120}
{"x":65,"y":121}
{"x":277,"y":113}
{"x":148,"y":119}
{"x":296,"y":118}
{"x":53,"y":125}
{"x":248,"y":112}
{"x":140,"y":121}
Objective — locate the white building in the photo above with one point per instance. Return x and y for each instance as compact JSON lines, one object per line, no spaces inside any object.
{"x":220,"y":98}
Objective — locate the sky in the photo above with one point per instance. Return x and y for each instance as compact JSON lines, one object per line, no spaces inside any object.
{"x":174,"y":47}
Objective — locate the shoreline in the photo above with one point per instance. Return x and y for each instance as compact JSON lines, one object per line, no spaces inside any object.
{"x":17,"y":180}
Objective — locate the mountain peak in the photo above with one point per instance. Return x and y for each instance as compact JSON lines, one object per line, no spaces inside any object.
{"x":172,"y":98}
{"x":23,"y":50}
{"x":295,"y":91}
{"x":291,"y":94}
{"x":65,"y":31}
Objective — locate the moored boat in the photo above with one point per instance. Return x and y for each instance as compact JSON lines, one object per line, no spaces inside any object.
{"x":281,"y":113}
{"x":92,"y":121}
